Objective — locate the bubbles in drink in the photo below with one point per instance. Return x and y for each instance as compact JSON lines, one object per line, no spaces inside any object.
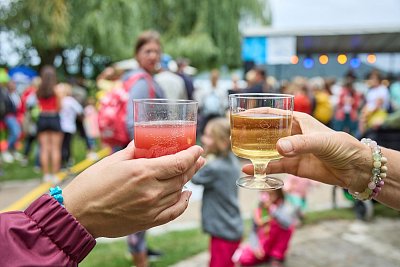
{"x":254,"y":136}
{"x":160,"y":138}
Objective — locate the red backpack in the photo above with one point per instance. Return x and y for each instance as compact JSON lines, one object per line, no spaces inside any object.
{"x":112,"y":111}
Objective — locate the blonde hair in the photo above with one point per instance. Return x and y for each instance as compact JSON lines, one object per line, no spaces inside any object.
{"x":36,"y":82}
{"x":63,"y":89}
{"x":220,"y":133}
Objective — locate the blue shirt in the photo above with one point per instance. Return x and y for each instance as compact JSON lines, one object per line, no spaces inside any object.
{"x":139,"y":90}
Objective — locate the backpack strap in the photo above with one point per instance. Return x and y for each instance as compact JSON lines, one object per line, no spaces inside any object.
{"x":136,"y":77}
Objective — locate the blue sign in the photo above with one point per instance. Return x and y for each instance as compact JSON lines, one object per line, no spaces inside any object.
{"x":255,"y":49}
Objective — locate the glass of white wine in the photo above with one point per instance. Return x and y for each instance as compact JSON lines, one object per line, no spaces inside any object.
{"x":258,"y":121}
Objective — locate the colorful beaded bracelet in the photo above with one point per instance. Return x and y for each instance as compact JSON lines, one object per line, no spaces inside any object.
{"x":379,"y":171}
{"x":56,"y":192}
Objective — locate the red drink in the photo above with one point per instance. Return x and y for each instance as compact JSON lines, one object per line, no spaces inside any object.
{"x":159,"y":138}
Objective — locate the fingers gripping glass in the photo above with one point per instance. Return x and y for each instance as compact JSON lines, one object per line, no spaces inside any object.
{"x":258,"y":121}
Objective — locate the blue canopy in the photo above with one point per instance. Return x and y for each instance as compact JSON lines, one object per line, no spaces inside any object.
{"x":22,"y":74}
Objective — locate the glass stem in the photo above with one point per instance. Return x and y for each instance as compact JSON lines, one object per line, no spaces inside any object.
{"x":260,"y":169}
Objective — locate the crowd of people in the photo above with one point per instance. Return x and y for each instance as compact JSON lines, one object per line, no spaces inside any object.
{"x":50,"y":112}
{"x":352,"y":104}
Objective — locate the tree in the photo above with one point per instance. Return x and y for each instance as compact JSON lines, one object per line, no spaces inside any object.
{"x":45,"y":22}
{"x":205,"y":31}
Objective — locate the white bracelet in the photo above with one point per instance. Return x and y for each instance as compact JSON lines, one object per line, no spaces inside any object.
{"x":379,"y":171}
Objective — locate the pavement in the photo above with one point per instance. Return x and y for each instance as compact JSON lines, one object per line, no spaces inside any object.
{"x":337,"y":244}
{"x":330,"y":243}
{"x":17,"y":195}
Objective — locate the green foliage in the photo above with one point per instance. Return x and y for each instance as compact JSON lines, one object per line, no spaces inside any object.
{"x":108,"y":26}
{"x":200,"y":48}
{"x":46,"y":22}
{"x":206,"y":31}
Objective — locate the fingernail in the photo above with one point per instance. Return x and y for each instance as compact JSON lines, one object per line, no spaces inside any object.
{"x":285,"y":145}
{"x":202,"y":161}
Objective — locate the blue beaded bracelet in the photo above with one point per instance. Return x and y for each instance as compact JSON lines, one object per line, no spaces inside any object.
{"x":56,"y":192}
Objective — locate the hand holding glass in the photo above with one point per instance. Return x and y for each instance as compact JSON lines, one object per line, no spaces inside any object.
{"x":258,"y":121}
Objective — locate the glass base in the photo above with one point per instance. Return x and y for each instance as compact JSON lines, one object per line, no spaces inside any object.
{"x":267,"y":184}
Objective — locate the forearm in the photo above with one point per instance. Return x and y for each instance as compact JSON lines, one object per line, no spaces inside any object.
{"x":390,"y":194}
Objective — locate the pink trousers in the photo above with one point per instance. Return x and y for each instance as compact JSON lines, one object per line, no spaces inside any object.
{"x":274,"y":244}
{"x":221,"y":251}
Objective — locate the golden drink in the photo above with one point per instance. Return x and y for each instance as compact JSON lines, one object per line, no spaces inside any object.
{"x":254,"y":136}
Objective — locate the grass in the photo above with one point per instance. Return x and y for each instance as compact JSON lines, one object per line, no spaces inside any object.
{"x":334,"y":214}
{"x":14,"y":171}
{"x":180,"y":245}
{"x":383,"y":211}
{"x":176,"y":246}
{"x":347,"y":214}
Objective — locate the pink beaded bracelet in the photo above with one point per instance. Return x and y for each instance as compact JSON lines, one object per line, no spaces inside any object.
{"x":379,"y":171}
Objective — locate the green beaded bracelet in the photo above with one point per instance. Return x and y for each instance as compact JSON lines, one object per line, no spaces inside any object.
{"x":378,"y":172}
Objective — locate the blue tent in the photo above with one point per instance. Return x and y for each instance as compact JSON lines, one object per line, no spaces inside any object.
{"x":22,"y":73}
{"x":22,"y":76}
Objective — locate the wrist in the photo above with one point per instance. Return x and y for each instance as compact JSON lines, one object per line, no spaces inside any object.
{"x":76,"y":207}
{"x":378,"y":172}
{"x":359,"y":182}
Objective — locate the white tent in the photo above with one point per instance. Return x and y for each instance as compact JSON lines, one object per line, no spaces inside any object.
{"x":321,"y":27}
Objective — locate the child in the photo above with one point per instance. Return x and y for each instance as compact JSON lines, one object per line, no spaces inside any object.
{"x":273,"y":235}
{"x":260,"y":224}
{"x":70,"y":109}
{"x":296,"y":189}
{"x":91,"y":125}
{"x":220,"y":208}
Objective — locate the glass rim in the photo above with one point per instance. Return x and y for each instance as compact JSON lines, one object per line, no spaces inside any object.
{"x":164,"y":101}
{"x":261,"y":96}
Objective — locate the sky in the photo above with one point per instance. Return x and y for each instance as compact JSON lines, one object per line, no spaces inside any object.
{"x":335,"y":13}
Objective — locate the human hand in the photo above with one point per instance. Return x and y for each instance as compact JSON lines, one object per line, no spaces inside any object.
{"x":319,"y":153}
{"x":120,"y":195}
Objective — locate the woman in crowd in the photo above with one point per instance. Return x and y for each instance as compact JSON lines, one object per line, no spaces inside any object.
{"x":49,"y":127}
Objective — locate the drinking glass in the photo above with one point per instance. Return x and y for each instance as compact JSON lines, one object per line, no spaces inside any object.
{"x":258,"y":121}
{"x":163,"y":127}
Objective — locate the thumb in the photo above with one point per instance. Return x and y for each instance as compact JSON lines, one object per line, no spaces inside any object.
{"x":301,"y":144}
{"x":127,"y":153}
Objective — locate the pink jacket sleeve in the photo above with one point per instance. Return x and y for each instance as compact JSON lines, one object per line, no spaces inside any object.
{"x":44,"y":235}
